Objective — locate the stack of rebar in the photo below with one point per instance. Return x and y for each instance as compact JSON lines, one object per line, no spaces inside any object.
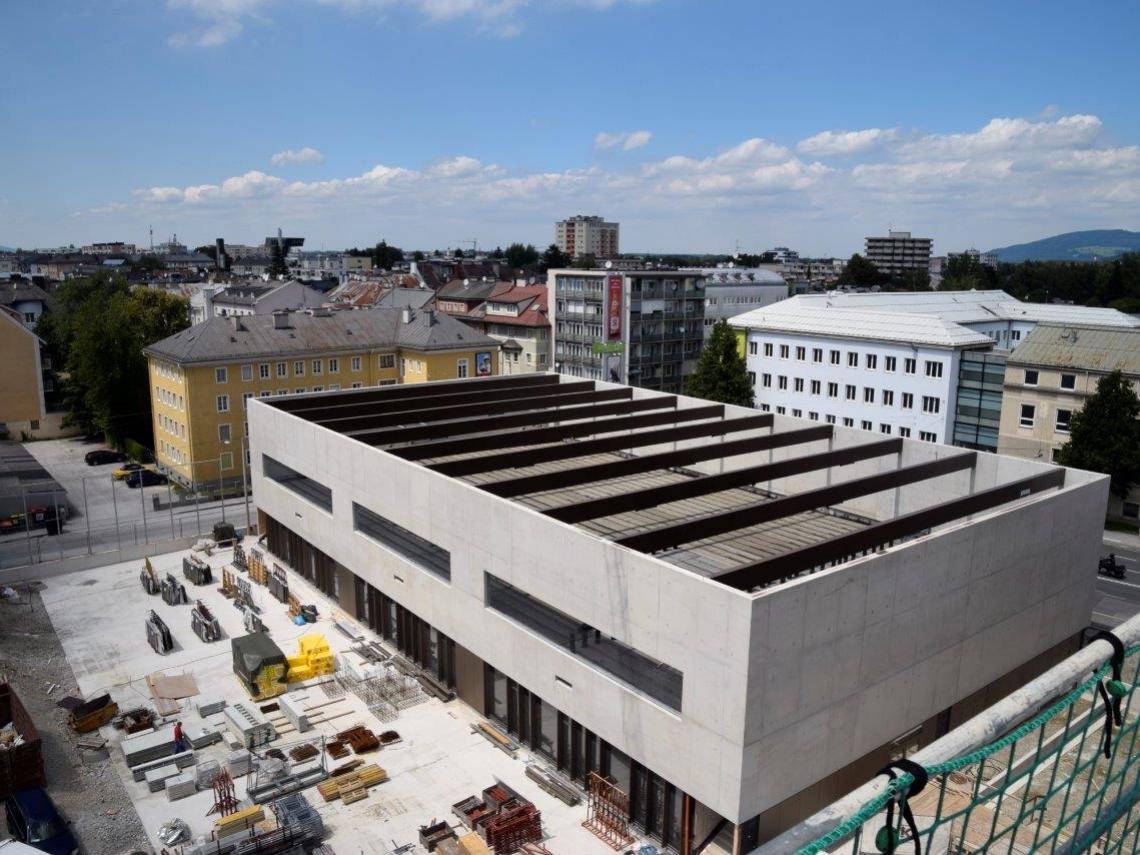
{"x":173,"y":592}
{"x":204,"y":624}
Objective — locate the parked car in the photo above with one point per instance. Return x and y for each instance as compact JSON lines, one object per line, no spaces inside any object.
{"x":103,"y":455}
{"x":33,"y":819}
{"x":143,"y":477}
{"x":124,"y":471}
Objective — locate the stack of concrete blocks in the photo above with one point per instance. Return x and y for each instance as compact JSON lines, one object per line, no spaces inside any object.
{"x":156,"y":778}
{"x":249,"y":725}
{"x":292,"y":706}
{"x":144,"y":747}
{"x":205,"y":773}
{"x":239,"y":763}
{"x":180,"y":760}
{"x":211,"y":706}
{"x":181,"y":786}
{"x":202,"y":735}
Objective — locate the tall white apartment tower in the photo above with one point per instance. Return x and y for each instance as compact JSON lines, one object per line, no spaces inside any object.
{"x":581,"y":235}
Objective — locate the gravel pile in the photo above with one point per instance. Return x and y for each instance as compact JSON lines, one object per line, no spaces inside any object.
{"x":82,"y":784}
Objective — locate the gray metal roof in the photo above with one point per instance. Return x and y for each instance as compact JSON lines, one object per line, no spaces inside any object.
{"x":255,"y":336}
{"x":1085,"y":348}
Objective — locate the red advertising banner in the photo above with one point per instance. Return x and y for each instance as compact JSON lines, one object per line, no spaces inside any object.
{"x":613,"y":321}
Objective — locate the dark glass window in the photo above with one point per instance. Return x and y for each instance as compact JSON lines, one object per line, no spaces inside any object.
{"x":302,"y":485}
{"x":397,"y":538}
{"x":656,"y":679}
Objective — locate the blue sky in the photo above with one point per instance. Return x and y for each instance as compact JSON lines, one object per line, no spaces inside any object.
{"x":696,"y":123}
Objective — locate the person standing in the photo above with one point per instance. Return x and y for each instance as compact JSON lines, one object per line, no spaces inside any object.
{"x":179,"y":744}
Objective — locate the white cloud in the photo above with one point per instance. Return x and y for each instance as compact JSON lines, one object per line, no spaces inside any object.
{"x":846,"y":142}
{"x":1006,"y":135}
{"x":627,"y":140}
{"x":1007,"y":180}
{"x":297,"y":155}
{"x":221,"y":21}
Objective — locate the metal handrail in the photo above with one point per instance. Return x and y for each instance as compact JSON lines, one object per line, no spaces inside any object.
{"x":989,"y":725}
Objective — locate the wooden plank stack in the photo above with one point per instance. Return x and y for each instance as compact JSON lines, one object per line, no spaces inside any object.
{"x":352,"y":786}
{"x":360,"y":738}
{"x":238,"y":821}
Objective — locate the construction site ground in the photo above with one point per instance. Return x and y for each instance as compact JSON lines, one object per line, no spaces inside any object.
{"x":99,"y":617}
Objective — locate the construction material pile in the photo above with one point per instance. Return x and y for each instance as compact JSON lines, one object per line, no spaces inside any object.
{"x":352,"y":784}
{"x":197,"y":570}
{"x":158,"y":634}
{"x":173,"y":592}
{"x":204,"y":624}
{"x":260,"y":665}
{"x":314,"y":658}
{"x":249,"y":725}
{"x":504,"y":819}
{"x":149,"y":578}
{"x":10,"y":737}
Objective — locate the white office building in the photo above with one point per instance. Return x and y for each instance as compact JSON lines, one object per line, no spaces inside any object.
{"x":580,"y":235}
{"x":717,"y":609}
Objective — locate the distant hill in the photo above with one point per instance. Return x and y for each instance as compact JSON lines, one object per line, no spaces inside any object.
{"x":7,"y":249}
{"x":1098,"y":244}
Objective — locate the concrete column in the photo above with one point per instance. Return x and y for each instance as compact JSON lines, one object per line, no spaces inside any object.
{"x":898,"y":490}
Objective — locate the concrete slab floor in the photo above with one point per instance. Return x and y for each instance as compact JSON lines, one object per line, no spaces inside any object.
{"x":99,"y":614}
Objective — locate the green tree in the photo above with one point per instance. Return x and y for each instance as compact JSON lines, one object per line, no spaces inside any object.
{"x":962,"y":272}
{"x":148,"y":262}
{"x":554,"y":257}
{"x":519,"y":255}
{"x":417,"y":256}
{"x":497,"y":252}
{"x":585,"y":262}
{"x":721,"y":374}
{"x":1104,"y":436}
{"x":385,"y":257}
{"x":861,"y":272}
{"x":209,"y":249}
{"x":99,"y":327}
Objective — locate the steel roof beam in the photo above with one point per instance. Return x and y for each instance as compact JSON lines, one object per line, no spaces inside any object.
{"x":753,"y":575}
{"x":322,"y":414}
{"x":570,"y":450}
{"x":704,"y":485}
{"x":493,"y":423}
{"x":676,"y":534}
{"x":649,"y":462}
{"x":578,"y":393}
{"x":412,"y":390}
{"x":512,"y":439}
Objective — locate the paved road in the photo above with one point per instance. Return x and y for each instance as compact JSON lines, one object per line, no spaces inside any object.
{"x":115,"y":514}
{"x":1118,"y":599}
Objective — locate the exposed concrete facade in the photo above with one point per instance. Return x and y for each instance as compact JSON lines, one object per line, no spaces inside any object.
{"x":781,"y":687}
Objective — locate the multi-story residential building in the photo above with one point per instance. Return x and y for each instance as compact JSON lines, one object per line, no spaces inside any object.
{"x":249,"y":265}
{"x":202,"y":378}
{"x":265,"y":299}
{"x":716,"y":609}
{"x":325,"y":265}
{"x":986,"y":259}
{"x":27,"y":300}
{"x":899,"y":253}
{"x":967,"y":333}
{"x":358,"y":263}
{"x":516,"y":316}
{"x":890,"y":373}
{"x":114,"y":247}
{"x":1049,"y":378}
{"x":646,"y":327}
{"x":731,"y":291}
{"x":1005,"y":319}
{"x":21,"y":381}
{"x":581,"y":235}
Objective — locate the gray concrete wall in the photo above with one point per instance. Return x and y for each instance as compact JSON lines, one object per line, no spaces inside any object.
{"x":780,"y":687}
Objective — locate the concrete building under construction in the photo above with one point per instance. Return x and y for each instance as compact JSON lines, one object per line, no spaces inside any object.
{"x":717,"y":609}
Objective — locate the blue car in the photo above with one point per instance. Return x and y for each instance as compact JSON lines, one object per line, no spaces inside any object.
{"x":33,"y":819}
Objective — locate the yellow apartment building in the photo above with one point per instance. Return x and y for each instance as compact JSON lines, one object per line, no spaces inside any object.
{"x":202,"y":377}
{"x":21,"y":381}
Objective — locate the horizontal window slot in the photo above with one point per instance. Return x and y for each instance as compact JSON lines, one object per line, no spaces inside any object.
{"x":302,"y":485}
{"x":409,"y":545}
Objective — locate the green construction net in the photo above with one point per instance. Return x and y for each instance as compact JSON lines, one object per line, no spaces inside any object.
{"x":1046,"y":786}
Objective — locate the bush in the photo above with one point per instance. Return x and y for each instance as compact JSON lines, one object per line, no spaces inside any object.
{"x":138,"y":451}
